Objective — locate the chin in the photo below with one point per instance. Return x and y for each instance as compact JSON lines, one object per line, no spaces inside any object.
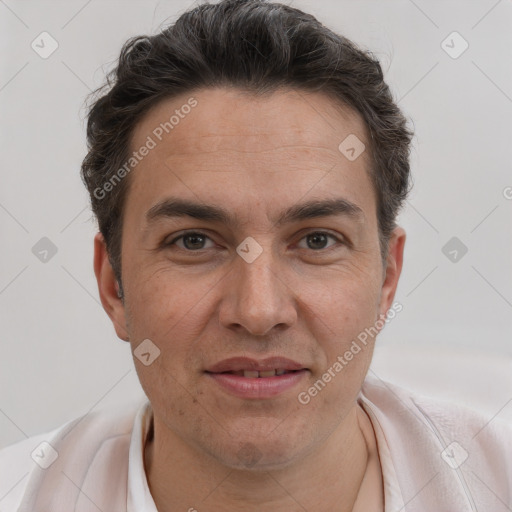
{"x":267,"y":451}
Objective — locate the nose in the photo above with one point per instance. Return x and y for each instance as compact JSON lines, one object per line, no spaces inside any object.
{"x":257,"y":298}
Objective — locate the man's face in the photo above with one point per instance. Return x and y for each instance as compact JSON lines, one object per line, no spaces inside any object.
{"x":317,"y":281}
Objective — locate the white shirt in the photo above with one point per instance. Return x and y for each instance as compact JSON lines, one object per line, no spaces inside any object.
{"x":434,"y":457}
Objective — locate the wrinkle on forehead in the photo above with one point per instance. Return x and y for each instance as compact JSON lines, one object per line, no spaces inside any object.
{"x":226,"y":160}
{"x":254,"y":123}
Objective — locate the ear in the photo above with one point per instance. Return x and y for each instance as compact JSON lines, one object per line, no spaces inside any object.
{"x":393,"y":268}
{"x":108,"y":287}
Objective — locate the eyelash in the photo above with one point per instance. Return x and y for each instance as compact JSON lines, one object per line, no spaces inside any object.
{"x":200,"y":251}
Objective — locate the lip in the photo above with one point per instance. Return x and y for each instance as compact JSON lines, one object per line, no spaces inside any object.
{"x":235,"y":364}
{"x":258,"y":387}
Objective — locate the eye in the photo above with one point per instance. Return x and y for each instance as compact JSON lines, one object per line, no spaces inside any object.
{"x":191,"y":241}
{"x":195,"y":241}
{"x":318,"y":240}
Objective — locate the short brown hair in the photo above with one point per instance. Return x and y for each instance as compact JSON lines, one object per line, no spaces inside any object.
{"x":257,"y":46}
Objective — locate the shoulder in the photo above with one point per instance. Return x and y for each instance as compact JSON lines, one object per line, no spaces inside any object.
{"x":444,"y":416}
{"x":75,"y":442}
{"x":461,"y":447}
{"x":15,"y":466}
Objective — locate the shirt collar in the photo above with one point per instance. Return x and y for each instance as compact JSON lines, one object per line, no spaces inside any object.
{"x":139,"y":497}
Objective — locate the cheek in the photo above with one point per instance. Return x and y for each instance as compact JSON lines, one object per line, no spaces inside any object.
{"x":343,"y":301}
{"x":162,"y":302}
{"x":343,"y":314}
{"x":172,"y":315}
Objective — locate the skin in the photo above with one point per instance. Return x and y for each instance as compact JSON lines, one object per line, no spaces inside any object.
{"x":254,"y":157}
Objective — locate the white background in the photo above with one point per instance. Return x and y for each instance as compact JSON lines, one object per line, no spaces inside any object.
{"x":59,"y":354}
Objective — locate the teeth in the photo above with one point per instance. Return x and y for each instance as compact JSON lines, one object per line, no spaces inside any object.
{"x":254,"y":374}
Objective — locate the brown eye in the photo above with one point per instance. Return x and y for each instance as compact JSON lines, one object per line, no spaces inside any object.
{"x":192,"y":241}
{"x":318,"y":240}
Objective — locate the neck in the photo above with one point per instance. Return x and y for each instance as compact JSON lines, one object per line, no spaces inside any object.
{"x":327,"y":479}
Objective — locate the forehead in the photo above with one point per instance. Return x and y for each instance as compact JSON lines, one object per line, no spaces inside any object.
{"x":298,"y":118}
{"x":214,"y":141}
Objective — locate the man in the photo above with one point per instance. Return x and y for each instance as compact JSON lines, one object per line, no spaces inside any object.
{"x":246,"y":168}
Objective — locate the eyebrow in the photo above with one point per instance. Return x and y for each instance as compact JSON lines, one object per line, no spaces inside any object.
{"x":175,"y":207}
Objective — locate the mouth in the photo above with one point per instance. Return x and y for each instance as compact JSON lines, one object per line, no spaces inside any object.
{"x":252,"y":379}
{"x":276,"y":364}
{"x":255,"y":374}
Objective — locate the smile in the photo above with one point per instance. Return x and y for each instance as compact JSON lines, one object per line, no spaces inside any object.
{"x":253,"y":374}
{"x":252,"y":384}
